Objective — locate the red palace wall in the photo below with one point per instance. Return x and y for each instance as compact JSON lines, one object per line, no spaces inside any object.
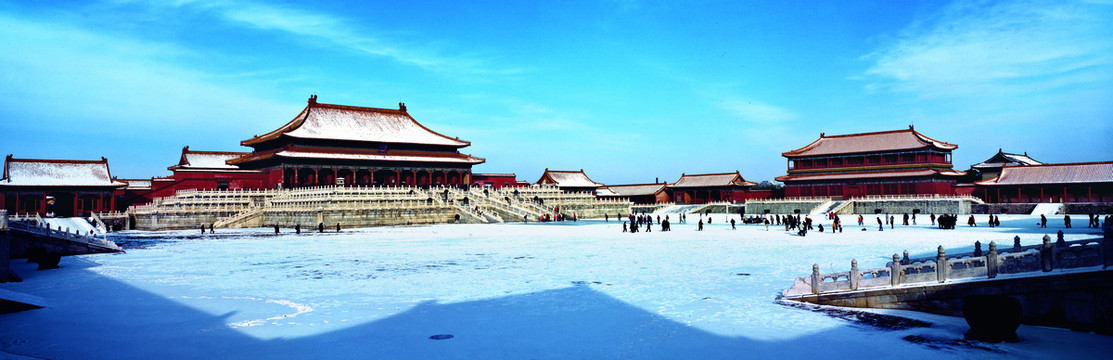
{"x":233,"y":181}
{"x":497,"y":182}
{"x":858,"y":190}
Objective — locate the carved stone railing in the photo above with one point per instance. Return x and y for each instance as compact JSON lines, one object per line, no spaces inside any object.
{"x":75,"y":236}
{"x":1044,"y":257}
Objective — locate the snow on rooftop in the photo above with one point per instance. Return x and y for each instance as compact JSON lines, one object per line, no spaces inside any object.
{"x":569,"y":179}
{"x":138,"y":183}
{"x":210,"y":160}
{"x":633,"y":190}
{"x":325,"y":121}
{"x":711,"y":180}
{"x":25,"y":172}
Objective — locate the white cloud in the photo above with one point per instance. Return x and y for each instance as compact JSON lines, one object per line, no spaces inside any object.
{"x":1001,"y":48}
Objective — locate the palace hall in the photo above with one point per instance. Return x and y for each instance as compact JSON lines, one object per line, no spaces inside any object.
{"x":330,"y":144}
{"x":898,"y":162}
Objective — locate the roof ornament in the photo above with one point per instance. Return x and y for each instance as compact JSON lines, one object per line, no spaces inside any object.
{"x":402,"y":106}
{"x":821,"y":134}
{"x":910,"y":127}
{"x":312,"y":99}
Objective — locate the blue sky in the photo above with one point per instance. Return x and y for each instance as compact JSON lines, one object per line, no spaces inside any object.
{"x":629,"y":91}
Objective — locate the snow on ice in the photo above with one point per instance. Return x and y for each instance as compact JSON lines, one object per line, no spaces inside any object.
{"x":560,"y":290}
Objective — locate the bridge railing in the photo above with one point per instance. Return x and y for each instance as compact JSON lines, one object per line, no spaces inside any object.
{"x":1044,"y":257}
{"x":74,"y":236}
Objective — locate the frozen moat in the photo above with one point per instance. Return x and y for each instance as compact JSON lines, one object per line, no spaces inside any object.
{"x":582,"y":290}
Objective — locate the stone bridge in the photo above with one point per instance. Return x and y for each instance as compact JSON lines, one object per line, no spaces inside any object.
{"x":28,"y":237}
{"x":1058,"y":283}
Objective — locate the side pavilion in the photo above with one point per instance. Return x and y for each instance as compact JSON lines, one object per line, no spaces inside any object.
{"x":1073,"y":182}
{"x":63,"y":188}
{"x":707,"y":188}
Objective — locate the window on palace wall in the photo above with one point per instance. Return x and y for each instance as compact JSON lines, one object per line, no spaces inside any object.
{"x":222,"y":185}
{"x":907,"y":158}
{"x":821,"y":163}
{"x":890,"y":159}
{"x":836,"y":162}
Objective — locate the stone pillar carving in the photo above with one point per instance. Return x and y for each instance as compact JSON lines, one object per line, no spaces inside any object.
{"x":854,"y":275}
{"x":977,"y":248}
{"x":1016,"y":243}
{"x":894,"y":272}
{"x":991,"y":261}
{"x":1059,"y":242}
{"x":941,"y":265}
{"x":1046,"y":254}
{"x":904,"y":260}
{"x":815,"y":279}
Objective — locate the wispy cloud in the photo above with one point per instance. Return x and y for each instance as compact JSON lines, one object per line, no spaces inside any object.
{"x":341,"y":32}
{"x":60,"y":74}
{"x":979,"y":48}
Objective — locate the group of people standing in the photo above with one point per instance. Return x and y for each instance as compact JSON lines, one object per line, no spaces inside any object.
{"x":636,"y":223}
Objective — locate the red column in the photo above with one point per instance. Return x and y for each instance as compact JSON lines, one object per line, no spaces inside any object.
{"x":1064,"y":199}
{"x":1090,"y":193}
{"x":397,"y":177}
{"x":42,"y":207}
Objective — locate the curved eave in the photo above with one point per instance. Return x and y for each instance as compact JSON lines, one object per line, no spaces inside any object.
{"x":936,"y":143}
{"x":803,"y":149}
{"x":461,"y":143}
{"x":290,"y":126}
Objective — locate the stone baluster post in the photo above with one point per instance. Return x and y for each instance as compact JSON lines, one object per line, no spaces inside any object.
{"x":815,"y":278}
{"x":1016,"y":243}
{"x":991,"y":261}
{"x":894,"y":272}
{"x":1046,"y":254}
{"x":941,"y":265}
{"x":905,"y":260}
{"x":977,"y":248}
{"x":854,"y":275}
{"x":1059,"y":242}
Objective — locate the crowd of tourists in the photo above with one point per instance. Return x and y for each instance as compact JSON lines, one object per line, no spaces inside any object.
{"x":802,"y":224}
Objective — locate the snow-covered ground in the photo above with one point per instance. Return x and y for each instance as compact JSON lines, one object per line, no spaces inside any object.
{"x":562,"y":290}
